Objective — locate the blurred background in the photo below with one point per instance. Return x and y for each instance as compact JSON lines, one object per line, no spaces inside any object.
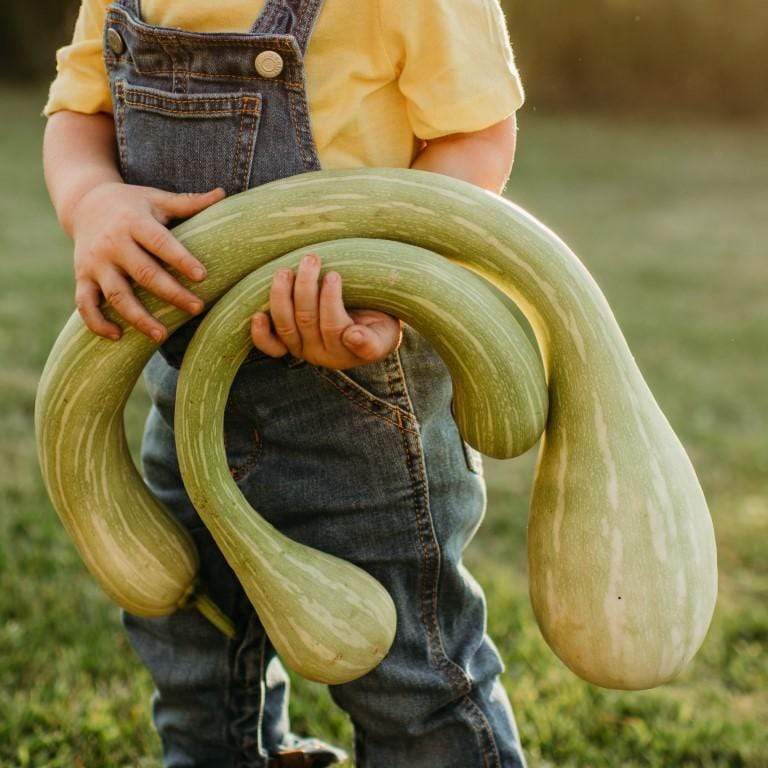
{"x":644,"y":144}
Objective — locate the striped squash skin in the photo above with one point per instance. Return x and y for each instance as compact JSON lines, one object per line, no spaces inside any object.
{"x":616,"y":510}
{"x":142,"y":558}
{"x":329,"y":620}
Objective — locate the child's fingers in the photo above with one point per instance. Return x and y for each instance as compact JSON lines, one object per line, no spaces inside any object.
{"x":183,"y":205}
{"x":149,"y":274}
{"x":373,"y":341}
{"x":87,"y":299}
{"x":159,"y":241}
{"x":264,"y":338}
{"x":334,"y":318}
{"x":363,"y":342}
{"x":305,"y":301}
{"x":118,"y":293}
{"x":281,"y":310}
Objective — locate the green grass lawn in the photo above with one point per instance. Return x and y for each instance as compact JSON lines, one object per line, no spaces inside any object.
{"x":671,"y":220}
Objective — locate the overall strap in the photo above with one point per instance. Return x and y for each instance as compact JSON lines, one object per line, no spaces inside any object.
{"x":282,"y":17}
{"x":132,"y":6}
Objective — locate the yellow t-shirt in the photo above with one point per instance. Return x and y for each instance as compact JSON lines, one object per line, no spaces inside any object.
{"x":381,"y":74}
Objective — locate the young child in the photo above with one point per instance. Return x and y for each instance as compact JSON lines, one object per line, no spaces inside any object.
{"x":338,"y":427}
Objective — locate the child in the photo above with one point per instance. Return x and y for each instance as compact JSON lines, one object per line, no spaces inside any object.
{"x":338,"y":427}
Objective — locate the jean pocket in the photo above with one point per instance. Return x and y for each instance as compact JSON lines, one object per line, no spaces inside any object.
{"x":378,"y":388}
{"x":185,"y":142}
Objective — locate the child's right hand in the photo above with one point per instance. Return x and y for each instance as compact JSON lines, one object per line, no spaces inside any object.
{"x":118,"y":231}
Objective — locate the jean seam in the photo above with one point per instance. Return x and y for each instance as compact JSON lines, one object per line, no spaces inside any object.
{"x":139,"y":96}
{"x":236,"y":40}
{"x":476,"y":716}
{"x":292,"y":99}
{"x":255,"y":121}
{"x":431,"y":561}
{"x":241,"y":471}
{"x":306,"y":17}
{"x":396,"y":417}
{"x":390,"y":368}
{"x":122,"y":147}
{"x":249,"y":123}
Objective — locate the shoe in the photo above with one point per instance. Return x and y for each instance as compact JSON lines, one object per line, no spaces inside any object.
{"x":298,"y":752}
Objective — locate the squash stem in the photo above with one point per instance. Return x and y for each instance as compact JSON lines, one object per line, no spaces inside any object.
{"x":213,"y":613}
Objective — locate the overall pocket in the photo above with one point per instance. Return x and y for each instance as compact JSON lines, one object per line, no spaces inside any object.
{"x":185,"y":142}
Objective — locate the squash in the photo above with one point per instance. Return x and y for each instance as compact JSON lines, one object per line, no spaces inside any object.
{"x":622,"y":562}
{"x":322,"y":618}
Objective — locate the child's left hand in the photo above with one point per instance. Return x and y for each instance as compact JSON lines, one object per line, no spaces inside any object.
{"x":309,"y":321}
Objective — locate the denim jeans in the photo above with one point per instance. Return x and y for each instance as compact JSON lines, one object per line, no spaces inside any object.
{"x":366,"y":464}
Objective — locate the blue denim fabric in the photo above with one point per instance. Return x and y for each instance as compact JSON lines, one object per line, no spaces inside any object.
{"x":366,"y":464}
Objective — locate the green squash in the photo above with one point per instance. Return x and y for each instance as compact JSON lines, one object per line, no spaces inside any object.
{"x":622,"y":561}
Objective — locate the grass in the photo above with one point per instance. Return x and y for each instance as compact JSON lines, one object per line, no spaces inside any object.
{"x":670,"y":219}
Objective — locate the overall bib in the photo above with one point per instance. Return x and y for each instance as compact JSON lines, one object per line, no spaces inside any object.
{"x":366,"y":464}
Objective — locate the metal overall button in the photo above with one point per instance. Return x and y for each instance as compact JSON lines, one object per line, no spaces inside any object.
{"x":269,"y":63}
{"x":115,"y":41}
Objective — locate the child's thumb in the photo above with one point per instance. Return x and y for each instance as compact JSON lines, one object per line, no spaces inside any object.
{"x":184,"y":204}
{"x":361,"y":341}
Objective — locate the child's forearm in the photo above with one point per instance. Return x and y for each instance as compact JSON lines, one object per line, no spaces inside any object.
{"x":483,"y":158}
{"x":78,"y":154}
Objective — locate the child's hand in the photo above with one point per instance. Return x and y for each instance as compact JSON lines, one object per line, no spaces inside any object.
{"x":118,"y":229}
{"x":310,"y":321}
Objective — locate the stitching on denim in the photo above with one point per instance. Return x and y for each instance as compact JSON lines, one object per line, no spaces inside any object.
{"x":239,"y":144}
{"x":432,"y":567}
{"x":396,"y":383}
{"x":302,"y":24}
{"x":347,"y":382}
{"x":188,"y":114}
{"x":122,"y":144}
{"x":307,"y":130}
{"x":194,"y":74}
{"x":264,"y":43}
{"x":138,"y":95}
{"x":181,"y":70}
{"x":237,"y":39}
{"x":405,"y":418}
{"x":254,"y":456}
{"x":306,"y":142}
{"x":248,"y":157}
{"x":309,"y":11}
{"x":149,"y":99}
{"x":477,"y":715}
{"x":358,"y":400}
{"x":292,"y":98}
{"x":267,"y":17}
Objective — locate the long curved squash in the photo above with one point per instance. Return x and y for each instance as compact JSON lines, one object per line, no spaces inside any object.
{"x":621,"y":547}
{"x":499,"y":401}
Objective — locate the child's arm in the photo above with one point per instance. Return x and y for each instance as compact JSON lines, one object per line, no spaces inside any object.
{"x":117,"y":228}
{"x":483,"y":158}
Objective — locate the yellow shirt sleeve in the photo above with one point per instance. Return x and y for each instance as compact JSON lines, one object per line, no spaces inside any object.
{"x":81,"y":83}
{"x":455,"y":63}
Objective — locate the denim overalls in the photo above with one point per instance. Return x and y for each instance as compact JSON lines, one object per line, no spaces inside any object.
{"x":366,"y":464}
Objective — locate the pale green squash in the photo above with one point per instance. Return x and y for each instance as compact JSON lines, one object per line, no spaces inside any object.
{"x":621,"y":547}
